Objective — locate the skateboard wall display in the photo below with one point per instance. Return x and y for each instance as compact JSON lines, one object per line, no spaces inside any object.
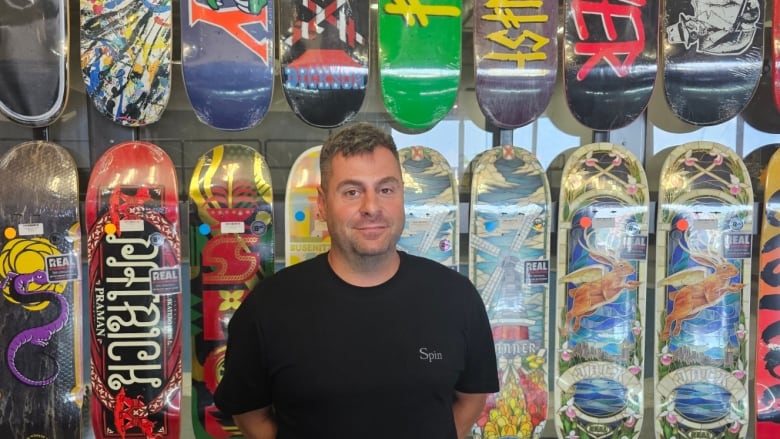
{"x":306,"y":233}
{"x":41,"y":374}
{"x":232,"y":249}
{"x":419,"y":59}
{"x":135,"y":291}
{"x":767,"y":376}
{"x":431,"y":206}
{"x":701,"y":36}
{"x":515,"y":59}
{"x":228,"y":50}
{"x":34,"y":66}
{"x":325,"y":58}
{"x":126,"y":58}
{"x":703,"y":256}
{"x":509,"y":252}
{"x":603,"y":222}
{"x":610,"y":60}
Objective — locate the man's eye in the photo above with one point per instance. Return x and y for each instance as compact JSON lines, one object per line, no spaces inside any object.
{"x":351,"y":193}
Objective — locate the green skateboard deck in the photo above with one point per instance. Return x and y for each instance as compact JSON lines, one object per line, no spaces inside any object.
{"x":306,"y":234}
{"x":509,"y":253}
{"x":602,"y":277}
{"x":704,"y":246}
{"x":41,"y":373}
{"x":232,"y":249}
{"x":419,"y":59}
{"x":431,"y":204}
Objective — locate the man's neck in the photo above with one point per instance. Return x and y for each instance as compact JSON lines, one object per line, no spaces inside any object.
{"x":364,"y":271}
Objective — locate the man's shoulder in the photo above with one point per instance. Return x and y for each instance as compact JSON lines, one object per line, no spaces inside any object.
{"x":290,"y":279}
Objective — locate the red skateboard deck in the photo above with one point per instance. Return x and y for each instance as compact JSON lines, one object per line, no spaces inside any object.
{"x":134,"y":252}
{"x":768,"y":326}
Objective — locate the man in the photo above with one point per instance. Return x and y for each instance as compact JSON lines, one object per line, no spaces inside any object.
{"x":362,"y":341}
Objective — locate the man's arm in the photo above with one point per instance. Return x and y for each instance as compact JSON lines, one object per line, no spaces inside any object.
{"x":466,"y":409}
{"x":257,"y":424}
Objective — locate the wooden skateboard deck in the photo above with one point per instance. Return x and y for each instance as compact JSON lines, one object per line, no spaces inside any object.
{"x":134,"y":256}
{"x":325,"y":59}
{"x":703,"y":251}
{"x":126,"y":58}
{"x":306,"y":234}
{"x":232,"y":249}
{"x":419,"y":59}
{"x":228,"y":50}
{"x":431,"y":204}
{"x":509,"y":256}
{"x":700,"y":34}
{"x":34,"y":66}
{"x":41,"y":376}
{"x":516,"y":59}
{"x":610,"y":60}
{"x":767,"y":391}
{"x":603,"y":223}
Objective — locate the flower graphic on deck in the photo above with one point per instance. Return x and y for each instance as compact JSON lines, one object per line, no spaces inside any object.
{"x":230,"y":299}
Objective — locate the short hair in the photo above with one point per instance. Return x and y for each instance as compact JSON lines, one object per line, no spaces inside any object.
{"x":360,"y":138}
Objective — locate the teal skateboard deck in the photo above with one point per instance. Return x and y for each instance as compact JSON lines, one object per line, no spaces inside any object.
{"x":703,"y":258}
{"x":34,"y":61}
{"x":431,"y":205}
{"x":509,"y":264}
{"x":603,"y":222}
{"x":135,"y":291}
{"x":232,"y":249}
{"x":325,"y":59}
{"x":306,"y":233}
{"x":41,"y":373}
{"x":126,"y":58}
{"x":419,"y":59}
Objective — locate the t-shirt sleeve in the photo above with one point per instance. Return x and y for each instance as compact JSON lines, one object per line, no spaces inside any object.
{"x":245,"y":385}
{"x":480,"y":374}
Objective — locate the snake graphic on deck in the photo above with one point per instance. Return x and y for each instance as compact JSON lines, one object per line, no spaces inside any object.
{"x":40,"y":335}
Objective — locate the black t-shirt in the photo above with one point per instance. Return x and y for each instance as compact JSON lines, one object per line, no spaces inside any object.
{"x":337,"y":360}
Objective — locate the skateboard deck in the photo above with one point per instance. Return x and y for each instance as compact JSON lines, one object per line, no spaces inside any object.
{"x":133,"y":253}
{"x":325,"y":59}
{"x":34,"y":67}
{"x":602,"y":278}
{"x":516,"y":59}
{"x":775,"y":56}
{"x":41,"y":376}
{"x":228,"y":50}
{"x":702,"y":307}
{"x":509,"y":254}
{"x":419,"y":59}
{"x":126,"y":58}
{"x":232,"y":242}
{"x":431,"y":205}
{"x":306,"y":233}
{"x":767,"y":376}
{"x":700,"y":34}
{"x":610,"y":60}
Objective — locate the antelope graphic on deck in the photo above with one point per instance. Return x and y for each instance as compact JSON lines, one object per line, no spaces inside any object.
{"x":599,"y":284}
{"x":699,"y":287}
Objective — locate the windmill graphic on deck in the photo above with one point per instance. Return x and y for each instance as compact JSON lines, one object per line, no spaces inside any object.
{"x":506,"y":282}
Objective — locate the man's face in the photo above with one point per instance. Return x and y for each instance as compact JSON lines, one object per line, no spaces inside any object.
{"x":364,"y":204}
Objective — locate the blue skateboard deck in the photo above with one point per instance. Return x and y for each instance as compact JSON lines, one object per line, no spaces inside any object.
{"x":603,"y":221}
{"x":431,"y":204}
{"x":509,"y":252}
{"x":228,"y":60}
